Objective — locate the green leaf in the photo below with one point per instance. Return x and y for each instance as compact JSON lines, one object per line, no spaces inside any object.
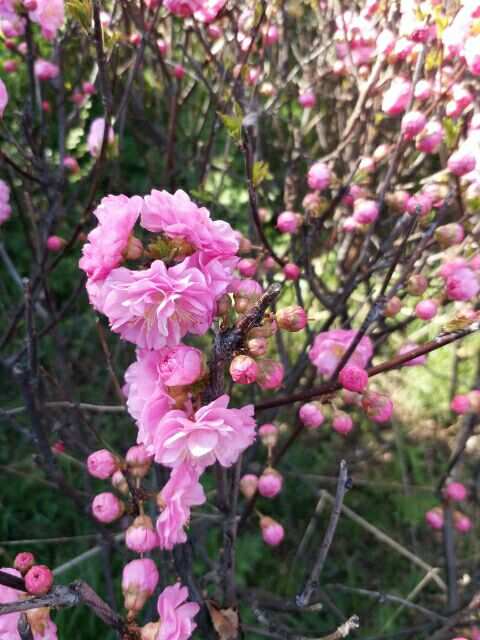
{"x":233,"y":125}
{"x":452,"y":131}
{"x":260,"y":172}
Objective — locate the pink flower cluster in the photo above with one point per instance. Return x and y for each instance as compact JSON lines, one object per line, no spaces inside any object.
{"x":5,"y":208}
{"x":48,"y":14}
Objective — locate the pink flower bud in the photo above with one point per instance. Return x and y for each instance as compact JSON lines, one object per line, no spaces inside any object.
{"x":270,"y":374}
{"x":307,"y":99}
{"x":45,"y":70}
{"x":353,"y":378}
{"x":319,"y":176}
{"x":413,"y":123}
{"x":431,"y":137}
{"x":381,"y":152}
{"x":106,"y":507}
{"x":243,"y":369}
{"x":426,"y":309}
{"x":162,"y":46}
{"x":138,"y":461}
{"x":270,"y":483}
{"x":55,"y":243}
{"x":102,"y":464}
{"x":397,"y":97}
{"x":434,"y":518}
{"x":455,"y":491}
{"x":265,"y":330}
{"x":342,"y":423}
{"x":30,"y":5}
{"x":461,"y":162}
{"x":291,"y":318}
{"x":289,"y":222}
{"x":214,"y":31}
{"x":392,"y":307}
{"x":38,"y":580}
{"x":245,"y":294}
{"x":460,"y":404}
{"x":46,"y":106}
{"x":135,"y":39}
{"x":311,"y":416}
{"x":385,"y":41}
{"x":365,"y":211}
{"x":70,"y":163}
{"x":139,"y":581}
{"x":417,"y":284}
{"x":248,"y":485}
{"x":257,"y":347}
{"x":449,"y":235}
{"x":366,"y":165}
{"x":271,"y":35}
{"x":247,"y":267}
{"x":10,"y":66}
{"x":377,"y":406}
{"x":178,"y":71}
{"x":58,"y":447}
{"x":419,"y":205}
{"x":268,"y":434}
{"x":423,"y":90}
{"x":119,"y":482}
{"x":141,"y":535}
{"x":291,"y":271}
{"x":88,"y":88}
{"x":24,"y":561}
{"x":272,"y":532}
{"x":462,"y":523}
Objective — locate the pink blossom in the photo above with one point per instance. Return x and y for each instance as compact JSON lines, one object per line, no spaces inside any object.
{"x":139,"y":581}
{"x":462,"y":285}
{"x":147,"y":397}
{"x":38,"y":580}
{"x":414,"y":362}
{"x":377,"y":406}
{"x":176,"y":615}
{"x":329,"y":347}
{"x":24,"y":561}
{"x":177,"y":216}
{"x":106,"y":507}
{"x":462,"y":523}
{"x":423,"y":90}
{"x":431,"y":137}
{"x":342,"y":423}
{"x":5,"y":208}
{"x":243,"y":369}
{"x":289,"y":222}
{"x":472,"y":55}
{"x":95,"y":137}
{"x":434,"y":518}
{"x":353,"y":378}
{"x":141,"y":535}
{"x":311,"y":415}
{"x":319,"y":176}
{"x":3,"y":97}
{"x":45,"y":70}
{"x":182,"y":492}
{"x":102,"y":464}
{"x":50,"y":15}
{"x":157,"y":307}
{"x":461,"y":162}
{"x":365,"y":211}
{"x":413,"y":123}
{"x":9,"y":621}
{"x":270,"y":483}
{"x":426,"y":309}
{"x":291,"y":318}
{"x":397,"y":97}
{"x":70,"y":163}
{"x":180,"y":365}
{"x":214,"y":433}
{"x":209,"y":11}
{"x":291,"y":271}
{"x":270,"y":374}
{"x":108,"y":243}
{"x":247,"y":267}
{"x":307,"y":99}
{"x":455,"y":491}
{"x":55,"y":243}
{"x":272,"y":531}
{"x":419,"y":204}
{"x":271,"y":35}
{"x":248,"y":485}
{"x":460,"y":404}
